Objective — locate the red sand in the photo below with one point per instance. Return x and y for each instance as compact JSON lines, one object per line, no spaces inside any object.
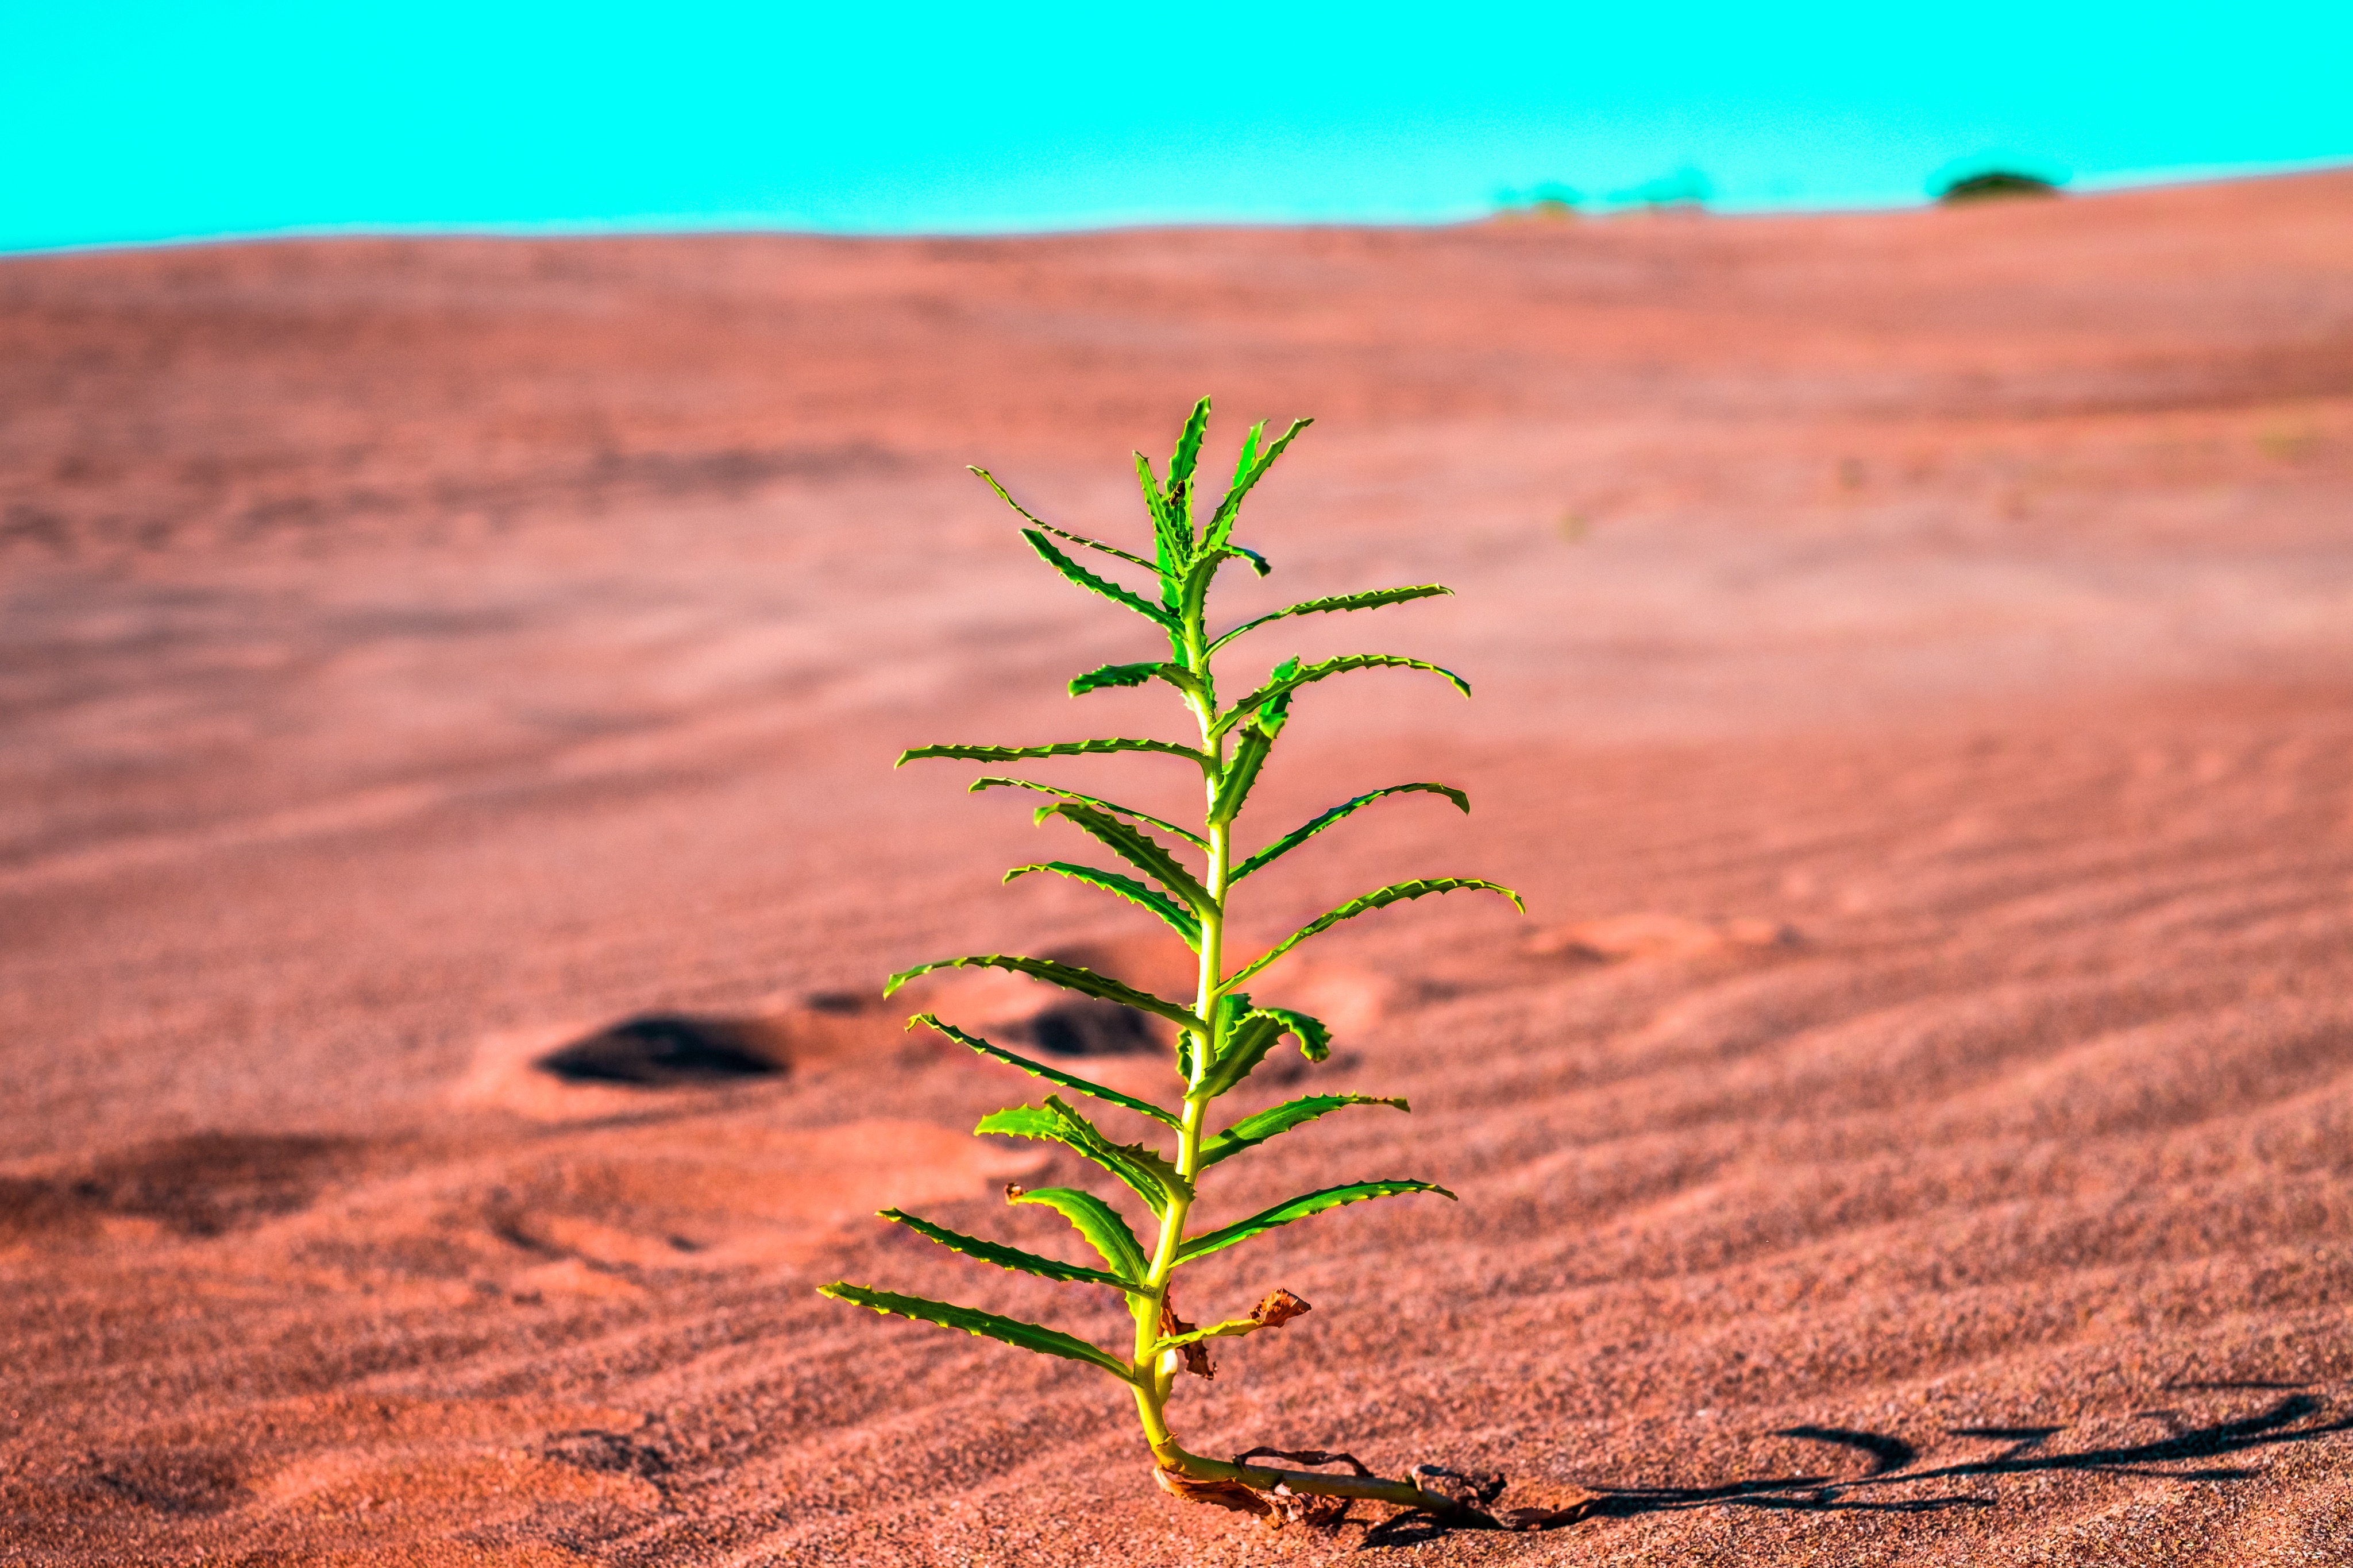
{"x":1912,"y":1125}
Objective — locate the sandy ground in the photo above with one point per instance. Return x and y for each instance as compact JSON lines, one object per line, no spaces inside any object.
{"x":1912,"y":1125}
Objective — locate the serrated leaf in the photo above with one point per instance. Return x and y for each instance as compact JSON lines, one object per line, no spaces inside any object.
{"x":1097,"y":1221}
{"x":1138,"y":849}
{"x":1068,"y":976}
{"x":1059,"y":749}
{"x":1231,"y":788}
{"x":1179,"y":919}
{"x":1299,"y":1208}
{"x":1118,"y":595}
{"x":1194,"y":592}
{"x":1275,"y":711}
{"x":1252,"y":1130}
{"x":1145,"y":1172}
{"x":988,"y":1325}
{"x":1297,"y":836}
{"x":1279,"y":686}
{"x":1113,"y":675}
{"x":1251,"y":440}
{"x":1233,"y":785}
{"x":990,"y":479}
{"x":1012,"y":1258}
{"x":1175,"y":675}
{"x":1116,"y":809}
{"x":1174,"y":539}
{"x":1228,"y":1013}
{"x":1379,"y":899}
{"x":1257,"y":1033}
{"x":1372,"y":600}
{"x":1245,"y":1046}
{"x":1315,"y":1039}
{"x":1051,"y":1074}
{"x":1189,"y":445}
{"x":1247,"y":474}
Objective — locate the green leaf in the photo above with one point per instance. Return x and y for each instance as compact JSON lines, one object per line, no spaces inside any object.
{"x":988,"y":1325}
{"x":1113,"y":806}
{"x":1175,"y":538}
{"x":1280,"y":685}
{"x":1146,"y":1173}
{"x":990,"y":479}
{"x":1068,"y":976}
{"x":1180,"y":918}
{"x":1247,"y":474}
{"x":1117,"y":594}
{"x":1189,"y":445}
{"x":1244,"y":1047}
{"x":1232,"y":787}
{"x":1098,"y":1222}
{"x":1275,"y":711}
{"x":1011,"y":1256}
{"x":1052,"y":1075}
{"x":1297,"y":836}
{"x":1300,"y":1208}
{"x":1193,"y":594}
{"x":1059,"y":749}
{"x":1138,"y":849}
{"x":1380,"y":898}
{"x":1113,"y":675}
{"x":1260,"y":1028}
{"x":1315,"y":1039}
{"x":1175,"y":675}
{"x":1251,"y":439}
{"x":1252,"y":1130}
{"x":1368,"y":601}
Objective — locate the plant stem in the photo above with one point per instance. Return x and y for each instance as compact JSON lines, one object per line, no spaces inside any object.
{"x":1152,"y":1380}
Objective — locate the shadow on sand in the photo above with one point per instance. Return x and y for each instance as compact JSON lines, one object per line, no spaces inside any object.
{"x":2298,"y":1418}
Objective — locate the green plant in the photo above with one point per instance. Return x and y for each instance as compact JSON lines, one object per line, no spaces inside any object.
{"x":1222,"y":1035}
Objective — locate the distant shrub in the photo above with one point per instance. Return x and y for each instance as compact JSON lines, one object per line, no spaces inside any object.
{"x":1686,"y":187}
{"x":1959,"y":185}
{"x":1545,"y":199}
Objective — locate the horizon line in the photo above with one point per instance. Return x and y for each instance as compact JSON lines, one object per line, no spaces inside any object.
{"x":693,"y":224}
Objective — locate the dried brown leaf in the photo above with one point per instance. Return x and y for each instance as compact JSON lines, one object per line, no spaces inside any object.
{"x":1315,"y":1512}
{"x":1217,"y":1494}
{"x":1196,"y":1356}
{"x":1279,"y":1308}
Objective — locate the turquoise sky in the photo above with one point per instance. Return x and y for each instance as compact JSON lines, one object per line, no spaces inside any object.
{"x":146,"y":121}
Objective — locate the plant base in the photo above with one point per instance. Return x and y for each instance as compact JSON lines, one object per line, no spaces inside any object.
{"x":1321,"y":1501}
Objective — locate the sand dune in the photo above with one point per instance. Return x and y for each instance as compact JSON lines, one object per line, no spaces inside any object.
{"x":1911,"y":1125}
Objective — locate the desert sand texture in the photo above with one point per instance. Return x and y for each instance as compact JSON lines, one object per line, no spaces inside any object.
{"x":1914,"y":666}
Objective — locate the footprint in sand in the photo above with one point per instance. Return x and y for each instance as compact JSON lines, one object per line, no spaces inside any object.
{"x":586,"y":1072}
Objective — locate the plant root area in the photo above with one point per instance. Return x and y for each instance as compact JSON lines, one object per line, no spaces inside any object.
{"x":448,"y":857}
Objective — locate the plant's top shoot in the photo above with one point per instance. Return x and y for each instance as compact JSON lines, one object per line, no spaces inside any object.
{"x":1186,"y":876}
